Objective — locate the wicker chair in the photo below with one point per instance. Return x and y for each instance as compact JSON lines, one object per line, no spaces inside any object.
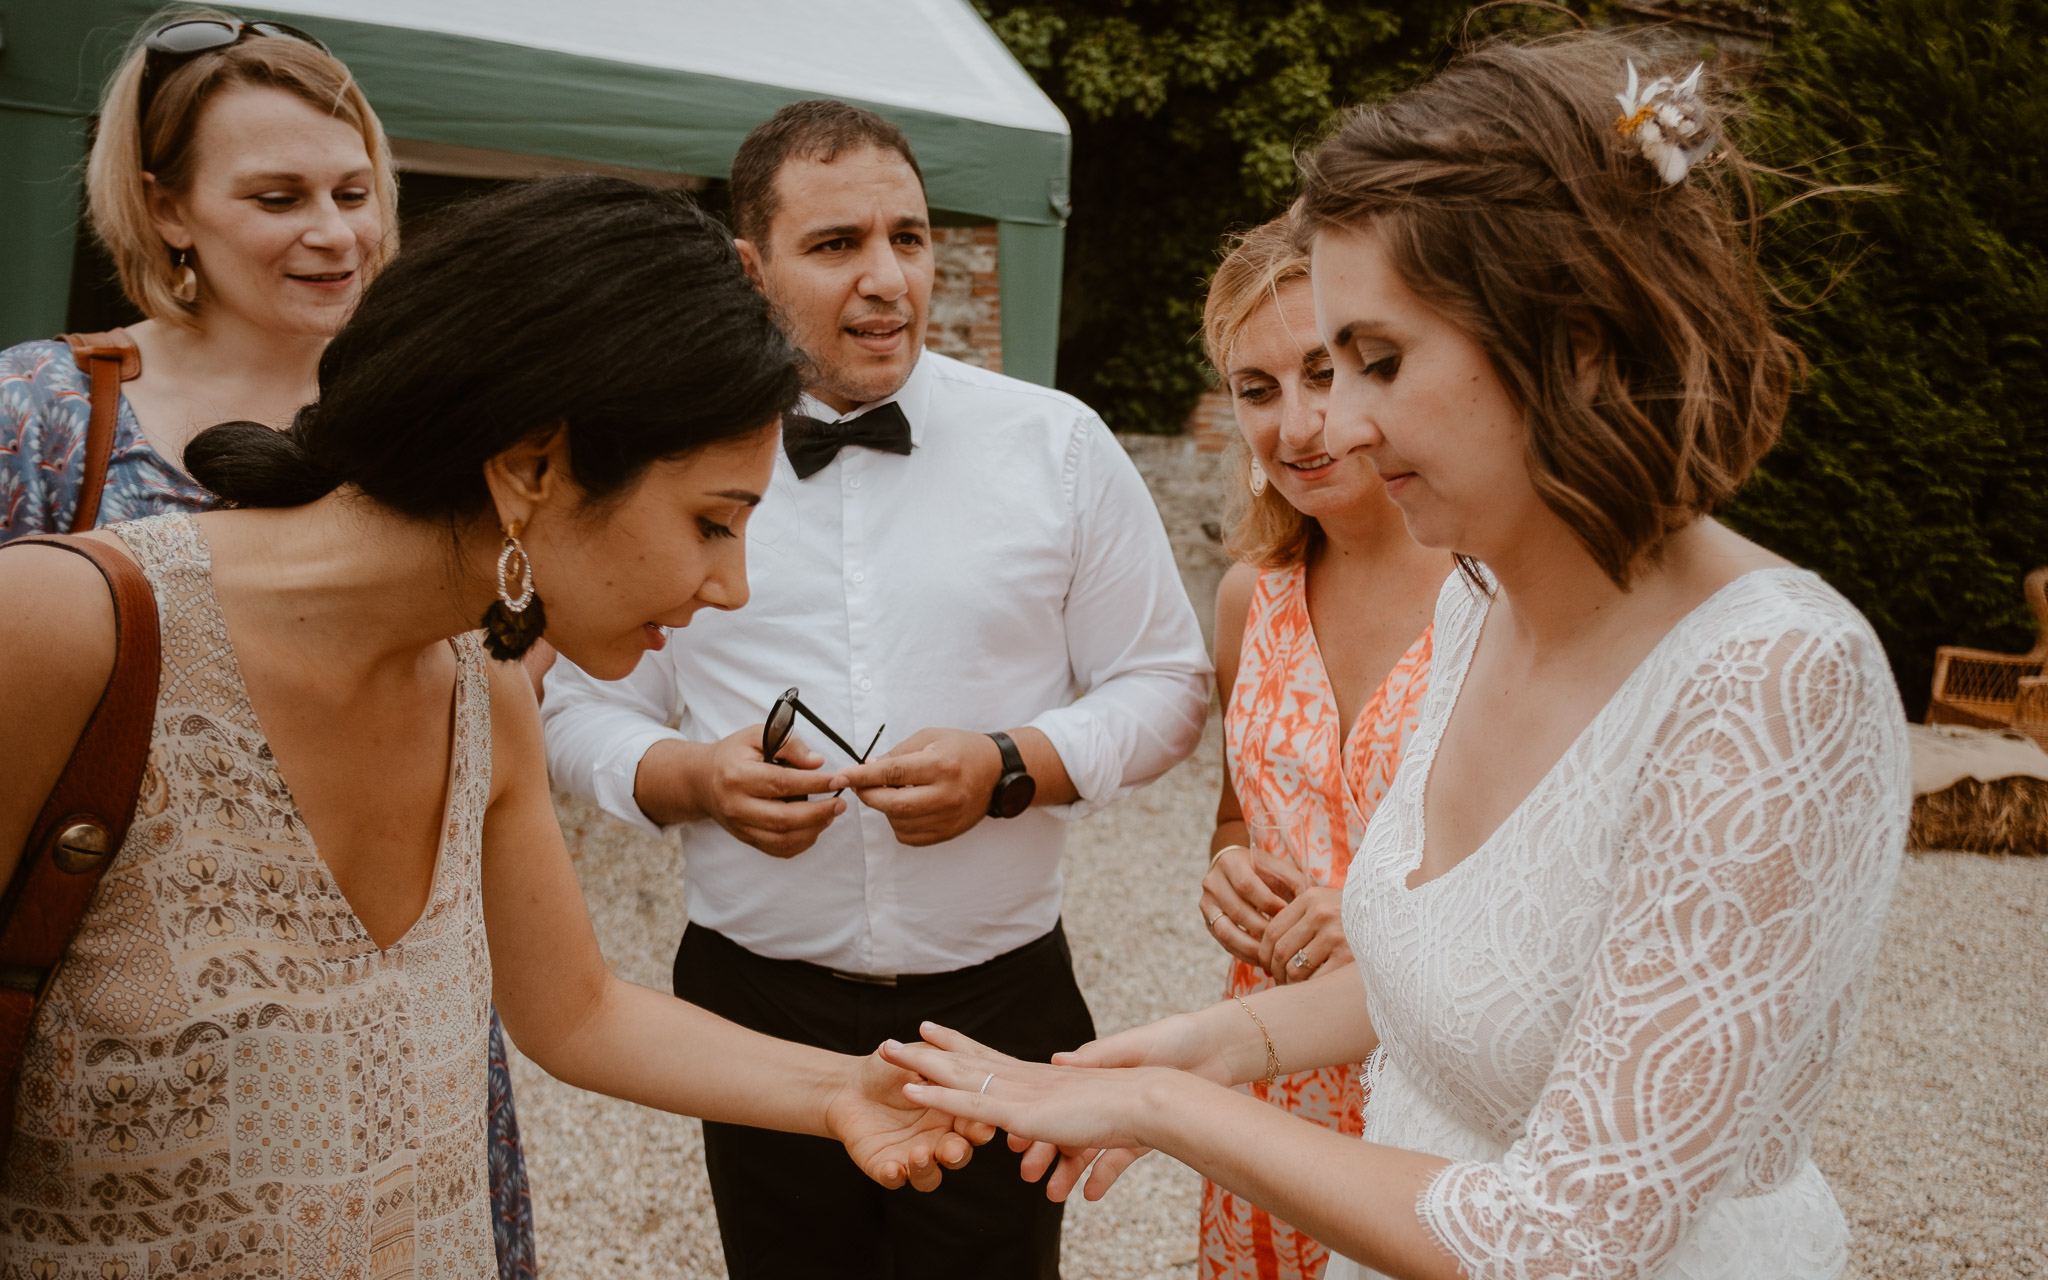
{"x":1997,"y":690}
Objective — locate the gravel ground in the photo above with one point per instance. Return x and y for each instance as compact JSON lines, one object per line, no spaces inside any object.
{"x":1937,"y":1144}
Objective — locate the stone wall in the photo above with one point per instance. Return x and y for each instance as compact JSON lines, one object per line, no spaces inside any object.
{"x":1187,"y":486}
{"x":1213,"y":422}
{"x":967,"y":297}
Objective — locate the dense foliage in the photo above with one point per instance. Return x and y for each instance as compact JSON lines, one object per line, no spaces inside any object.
{"x":1914,"y":471}
{"x":1186,"y":115}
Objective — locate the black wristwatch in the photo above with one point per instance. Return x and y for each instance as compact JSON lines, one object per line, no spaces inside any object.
{"x":1015,"y":788}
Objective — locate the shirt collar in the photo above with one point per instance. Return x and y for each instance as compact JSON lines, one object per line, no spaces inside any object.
{"x":914,"y":396}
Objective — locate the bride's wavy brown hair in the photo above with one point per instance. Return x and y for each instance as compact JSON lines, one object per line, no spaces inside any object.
{"x":1507,"y":198}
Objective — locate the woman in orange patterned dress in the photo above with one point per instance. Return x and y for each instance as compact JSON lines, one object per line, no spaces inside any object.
{"x":1323,"y":650}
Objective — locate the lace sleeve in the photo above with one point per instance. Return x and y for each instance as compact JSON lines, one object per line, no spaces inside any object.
{"x":1768,"y":827}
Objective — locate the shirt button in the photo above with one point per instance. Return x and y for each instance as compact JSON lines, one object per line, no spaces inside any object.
{"x":866,"y":685}
{"x":853,"y":483}
{"x":858,"y":576}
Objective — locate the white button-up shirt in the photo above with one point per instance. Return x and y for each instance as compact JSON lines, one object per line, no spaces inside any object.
{"x":1011,"y":571}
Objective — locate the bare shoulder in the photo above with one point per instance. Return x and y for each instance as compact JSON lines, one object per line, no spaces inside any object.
{"x":1234,"y":595}
{"x":57,"y":632}
{"x":56,"y":653}
{"x":1233,"y":606}
{"x":517,"y":754}
{"x":1718,"y":555}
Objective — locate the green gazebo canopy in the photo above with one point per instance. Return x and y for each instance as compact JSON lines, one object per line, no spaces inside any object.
{"x":661,"y":86}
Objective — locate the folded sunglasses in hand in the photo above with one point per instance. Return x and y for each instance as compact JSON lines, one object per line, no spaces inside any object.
{"x":782,"y":718}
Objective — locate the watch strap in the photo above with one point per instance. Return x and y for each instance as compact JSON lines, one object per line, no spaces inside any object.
{"x":1013,"y":759}
{"x":1014,"y":773}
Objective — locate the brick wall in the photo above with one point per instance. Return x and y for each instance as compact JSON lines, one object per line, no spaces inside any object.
{"x":1213,"y":422}
{"x":967,"y":297}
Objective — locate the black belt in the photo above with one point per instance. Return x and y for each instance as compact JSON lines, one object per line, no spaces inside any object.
{"x":877,"y":979}
{"x":1056,"y":937}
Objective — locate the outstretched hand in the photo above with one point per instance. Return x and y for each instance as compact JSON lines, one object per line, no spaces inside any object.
{"x":1075,"y":1110}
{"x":894,"y":1139}
{"x":1175,"y":1042}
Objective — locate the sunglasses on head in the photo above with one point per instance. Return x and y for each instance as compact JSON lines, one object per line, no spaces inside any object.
{"x":176,"y":43}
{"x":782,"y":718}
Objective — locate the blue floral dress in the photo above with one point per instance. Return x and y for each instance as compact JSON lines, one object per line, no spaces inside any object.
{"x":45,"y":407}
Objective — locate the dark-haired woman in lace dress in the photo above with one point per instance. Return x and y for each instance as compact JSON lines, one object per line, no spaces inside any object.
{"x":266,"y":1050}
{"x":245,"y":194}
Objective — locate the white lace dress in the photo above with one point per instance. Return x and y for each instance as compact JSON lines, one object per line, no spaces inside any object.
{"x":1621,"y":1016}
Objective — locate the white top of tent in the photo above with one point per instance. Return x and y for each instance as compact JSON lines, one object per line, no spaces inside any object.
{"x":928,"y":55}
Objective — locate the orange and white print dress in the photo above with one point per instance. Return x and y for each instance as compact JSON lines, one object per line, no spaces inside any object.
{"x":1286,"y":754}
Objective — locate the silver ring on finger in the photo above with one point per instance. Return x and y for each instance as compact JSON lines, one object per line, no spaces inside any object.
{"x":985,"y":1083}
{"x":1300,"y":960}
{"x":1213,"y":919}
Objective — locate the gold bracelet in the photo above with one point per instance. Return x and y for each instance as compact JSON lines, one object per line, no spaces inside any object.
{"x":1272,"y":1058}
{"x":1226,"y":849}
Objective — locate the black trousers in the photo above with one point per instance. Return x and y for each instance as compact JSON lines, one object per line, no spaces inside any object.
{"x":793,"y":1207}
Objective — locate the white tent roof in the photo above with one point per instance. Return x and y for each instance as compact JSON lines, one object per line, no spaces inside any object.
{"x":928,"y":55}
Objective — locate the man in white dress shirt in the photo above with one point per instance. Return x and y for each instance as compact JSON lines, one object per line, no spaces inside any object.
{"x":969,"y":560}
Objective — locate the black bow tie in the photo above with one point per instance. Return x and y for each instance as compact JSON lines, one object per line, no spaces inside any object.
{"x":812,"y":442}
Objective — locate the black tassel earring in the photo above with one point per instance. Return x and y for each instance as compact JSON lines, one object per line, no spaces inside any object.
{"x":513,"y":623}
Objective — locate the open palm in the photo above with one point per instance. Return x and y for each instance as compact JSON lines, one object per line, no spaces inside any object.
{"x":892,"y":1139}
{"x":1074,"y":1112}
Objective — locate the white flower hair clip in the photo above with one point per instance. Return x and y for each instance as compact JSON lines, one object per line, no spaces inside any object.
{"x":1668,"y":120}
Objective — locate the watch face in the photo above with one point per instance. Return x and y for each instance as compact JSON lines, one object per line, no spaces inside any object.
{"x":1013,"y":795}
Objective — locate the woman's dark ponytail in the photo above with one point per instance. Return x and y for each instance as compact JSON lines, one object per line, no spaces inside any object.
{"x":246,"y":464}
{"x":616,"y":310}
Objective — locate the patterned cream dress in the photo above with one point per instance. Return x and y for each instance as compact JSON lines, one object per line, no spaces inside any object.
{"x":1621,"y":1016}
{"x":228,"y":1077}
{"x":1287,"y":753}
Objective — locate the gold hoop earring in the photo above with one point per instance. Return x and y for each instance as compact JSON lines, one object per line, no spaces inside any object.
{"x":1258,"y":485}
{"x":184,"y":280}
{"x":514,"y":621}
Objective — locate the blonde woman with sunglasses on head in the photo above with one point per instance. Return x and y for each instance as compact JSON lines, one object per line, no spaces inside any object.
{"x":243,"y":188}
{"x":266,"y":1052}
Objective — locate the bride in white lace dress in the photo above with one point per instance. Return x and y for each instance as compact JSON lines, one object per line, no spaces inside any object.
{"x":1615,"y":921}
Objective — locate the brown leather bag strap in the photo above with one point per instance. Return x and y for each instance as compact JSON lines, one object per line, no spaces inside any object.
{"x":108,"y":359}
{"x":86,"y":817}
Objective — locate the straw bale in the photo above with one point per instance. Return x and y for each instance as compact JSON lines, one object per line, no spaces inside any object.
{"x":2005,"y":815}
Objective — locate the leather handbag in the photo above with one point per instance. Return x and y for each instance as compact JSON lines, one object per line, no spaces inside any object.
{"x":108,"y":359}
{"x":82,"y":824}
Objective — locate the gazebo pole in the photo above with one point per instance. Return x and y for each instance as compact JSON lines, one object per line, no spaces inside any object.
{"x":1030,"y":258}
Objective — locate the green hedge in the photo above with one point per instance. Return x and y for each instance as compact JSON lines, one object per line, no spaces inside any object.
{"x":1186,"y":115}
{"x":1914,"y":469}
